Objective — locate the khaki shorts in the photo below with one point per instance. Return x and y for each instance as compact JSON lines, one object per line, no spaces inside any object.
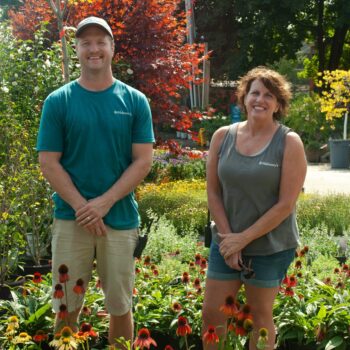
{"x":77,"y":249}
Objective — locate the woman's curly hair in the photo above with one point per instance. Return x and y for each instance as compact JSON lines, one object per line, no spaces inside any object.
{"x":273,"y":81}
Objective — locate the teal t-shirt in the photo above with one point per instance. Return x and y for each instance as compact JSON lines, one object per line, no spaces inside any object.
{"x":95,"y":132}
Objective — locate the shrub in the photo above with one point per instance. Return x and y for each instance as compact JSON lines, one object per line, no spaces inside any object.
{"x":183,"y":203}
{"x":333,"y":211}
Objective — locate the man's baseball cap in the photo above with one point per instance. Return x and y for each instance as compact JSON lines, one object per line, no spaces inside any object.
{"x":93,"y":21}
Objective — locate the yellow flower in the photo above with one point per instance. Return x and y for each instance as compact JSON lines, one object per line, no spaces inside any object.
{"x":22,"y":338}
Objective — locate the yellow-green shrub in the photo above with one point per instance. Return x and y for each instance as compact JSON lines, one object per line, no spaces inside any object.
{"x":182,"y":202}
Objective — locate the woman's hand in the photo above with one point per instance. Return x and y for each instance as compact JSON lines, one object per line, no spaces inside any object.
{"x":232,"y":243}
{"x":234,"y":261}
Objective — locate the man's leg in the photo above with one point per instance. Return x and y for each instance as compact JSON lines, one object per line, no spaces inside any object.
{"x":73,"y":247}
{"x":71,"y":321}
{"x":121,"y":326}
{"x":116,"y":269}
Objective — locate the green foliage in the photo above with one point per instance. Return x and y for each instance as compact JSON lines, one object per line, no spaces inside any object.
{"x":30,"y":70}
{"x":332,"y":211}
{"x":310,"y":68}
{"x":183,"y":203}
{"x":164,"y":241}
{"x":305,"y":118}
{"x":211,"y":124}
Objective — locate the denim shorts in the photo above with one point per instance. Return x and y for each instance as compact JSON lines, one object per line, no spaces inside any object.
{"x":268,"y":270}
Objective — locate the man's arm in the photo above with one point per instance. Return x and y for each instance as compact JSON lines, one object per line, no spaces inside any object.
{"x":97,"y":208}
{"x":61,"y":182}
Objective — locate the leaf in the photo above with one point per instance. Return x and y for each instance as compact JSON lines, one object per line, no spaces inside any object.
{"x":38,"y":314}
{"x":334,"y":343}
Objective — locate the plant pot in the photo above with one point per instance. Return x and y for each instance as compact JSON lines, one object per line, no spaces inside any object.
{"x":5,"y":289}
{"x":339,"y":154}
{"x":313,"y":155}
{"x":30,"y":267}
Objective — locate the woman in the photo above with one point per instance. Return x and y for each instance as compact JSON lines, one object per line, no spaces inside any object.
{"x":255,"y":172}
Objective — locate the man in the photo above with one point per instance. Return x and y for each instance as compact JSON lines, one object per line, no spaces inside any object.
{"x":95,"y":146}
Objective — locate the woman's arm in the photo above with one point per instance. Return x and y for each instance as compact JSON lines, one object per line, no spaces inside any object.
{"x":292,"y":179}
{"x":214,"y":191}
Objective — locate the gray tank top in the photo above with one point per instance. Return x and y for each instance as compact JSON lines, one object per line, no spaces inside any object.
{"x":250,"y":187}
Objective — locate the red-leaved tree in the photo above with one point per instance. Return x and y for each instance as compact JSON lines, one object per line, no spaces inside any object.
{"x":150,"y":35}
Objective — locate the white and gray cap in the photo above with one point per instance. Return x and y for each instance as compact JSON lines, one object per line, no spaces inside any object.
{"x":93,"y":21}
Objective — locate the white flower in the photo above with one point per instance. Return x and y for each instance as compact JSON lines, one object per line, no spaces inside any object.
{"x":47,"y":63}
{"x":130,"y":71}
{"x":5,"y":89}
{"x":14,"y":83}
{"x":36,"y":89}
{"x":16,"y":75}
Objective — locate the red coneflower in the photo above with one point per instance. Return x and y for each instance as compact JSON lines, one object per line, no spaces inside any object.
{"x":155,"y":272}
{"x":79,"y":287}
{"x":298,"y":264}
{"x":199,"y":290}
{"x":63,"y":313}
{"x":245,"y":313}
{"x":40,"y":336}
{"x":147,"y":260}
{"x":320,"y":333}
{"x":63,"y":273}
{"x":86,"y":328}
{"x":168,"y":347}
{"x":191,"y":265}
{"x":328,"y":280}
{"x":210,"y":336}
{"x":340,"y":285}
{"x":289,"y":291}
{"x":230,"y":307}
{"x":144,"y":339}
{"x":197,"y":259}
{"x":183,"y":327}
{"x":239,"y":329}
{"x":86,"y":311}
{"x":58,"y":293}
{"x":185,"y":277}
{"x":299,"y":274}
{"x":203,"y":263}
{"x":176,"y":306}
{"x":306,"y":249}
{"x":345,"y":267}
{"x":197,"y":283}
{"x":336,"y":270}
{"x":153,"y":267}
{"x":290,"y":281}
{"x":37,"y":277}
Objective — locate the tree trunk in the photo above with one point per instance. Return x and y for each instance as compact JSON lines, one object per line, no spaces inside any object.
{"x":320,"y":35}
{"x":56,"y":8}
{"x":338,"y":41}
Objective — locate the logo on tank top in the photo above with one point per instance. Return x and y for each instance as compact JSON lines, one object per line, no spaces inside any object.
{"x":123,"y":113}
{"x":274,"y":165}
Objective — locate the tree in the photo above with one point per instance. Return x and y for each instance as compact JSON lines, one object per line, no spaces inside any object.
{"x":150,"y":44}
{"x":244,"y":34}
